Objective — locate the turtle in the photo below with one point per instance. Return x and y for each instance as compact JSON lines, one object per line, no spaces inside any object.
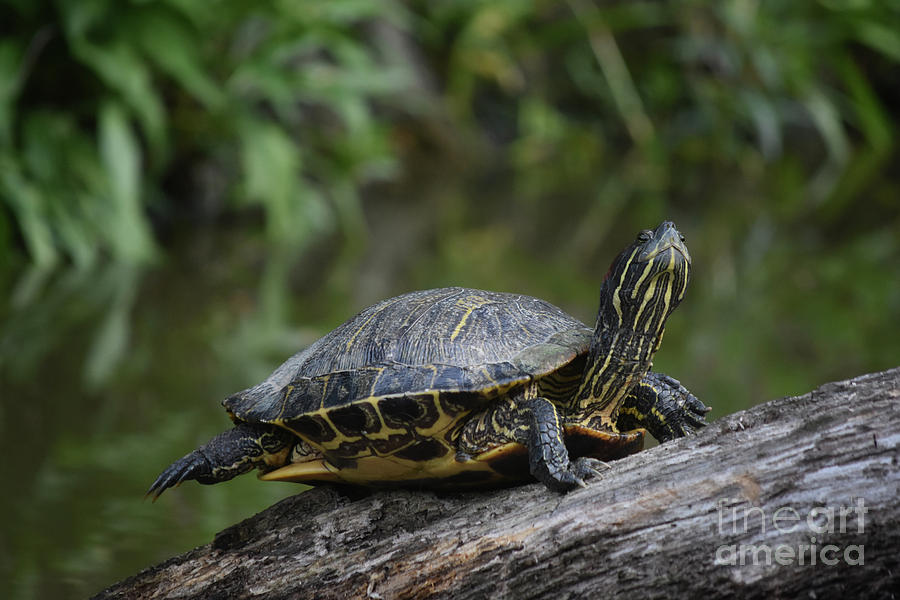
{"x":459,"y":388}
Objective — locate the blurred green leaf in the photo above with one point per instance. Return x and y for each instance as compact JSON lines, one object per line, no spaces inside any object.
{"x":121,"y":155}
{"x":10,"y":57}
{"x":28,"y":205}
{"x":869,"y":112}
{"x":109,"y":348}
{"x":174,"y":48}
{"x":765,"y":117}
{"x":272,"y":163}
{"x":123,"y":70}
{"x":123,"y":224}
{"x":828,"y":121}
{"x":882,"y":37}
{"x":77,"y":238}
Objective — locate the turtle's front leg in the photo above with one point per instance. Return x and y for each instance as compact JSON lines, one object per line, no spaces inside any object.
{"x":226,"y":456}
{"x":547,"y":455}
{"x":662,"y":406}
{"x":533,"y":422}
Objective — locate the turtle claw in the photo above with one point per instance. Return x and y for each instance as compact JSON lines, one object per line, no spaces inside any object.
{"x":693,"y":411}
{"x":192,"y":466}
{"x":586,"y":466}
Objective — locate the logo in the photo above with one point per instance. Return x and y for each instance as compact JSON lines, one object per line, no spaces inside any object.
{"x":803,"y":535}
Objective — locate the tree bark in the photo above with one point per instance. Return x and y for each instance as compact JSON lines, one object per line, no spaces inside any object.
{"x":755,"y":506}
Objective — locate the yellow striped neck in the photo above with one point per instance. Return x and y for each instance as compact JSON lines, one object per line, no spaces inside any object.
{"x":617,"y":360}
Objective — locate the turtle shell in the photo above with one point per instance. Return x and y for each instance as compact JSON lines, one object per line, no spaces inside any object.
{"x":442,"y":340}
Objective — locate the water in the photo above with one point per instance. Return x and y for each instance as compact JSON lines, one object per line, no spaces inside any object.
{"x":109,"y":375}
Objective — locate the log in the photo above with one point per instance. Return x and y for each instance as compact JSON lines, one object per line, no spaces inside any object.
{"x":795,"y":497}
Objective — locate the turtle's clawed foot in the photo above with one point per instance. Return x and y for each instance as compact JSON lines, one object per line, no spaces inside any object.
{"x":660,"y":404}
{"x":192,"y":466}
{"x":575,"y":474}
{"x":586,"y":467}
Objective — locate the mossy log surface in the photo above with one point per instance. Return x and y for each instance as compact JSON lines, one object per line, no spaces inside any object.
{"x":667,"y":522}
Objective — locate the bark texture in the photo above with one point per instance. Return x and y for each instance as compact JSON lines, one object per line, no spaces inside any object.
{"x":740,"y":510}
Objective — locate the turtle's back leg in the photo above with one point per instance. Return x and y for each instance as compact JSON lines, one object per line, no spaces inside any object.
{"x":662,"y":406}
{"x":227,"y":455}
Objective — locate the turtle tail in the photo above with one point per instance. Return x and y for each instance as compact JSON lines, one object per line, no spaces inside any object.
{"x":226,"y":456}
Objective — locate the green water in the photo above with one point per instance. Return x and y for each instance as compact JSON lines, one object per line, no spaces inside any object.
{"x":110,"y":374}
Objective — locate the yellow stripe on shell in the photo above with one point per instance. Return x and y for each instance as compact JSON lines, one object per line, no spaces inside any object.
{"x":387,"y":304}
{"x":470,"y":304}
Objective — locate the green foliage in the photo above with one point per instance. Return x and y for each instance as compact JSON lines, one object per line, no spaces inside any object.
{"x":687,"y":84}
{"x":108,"y":107}
{"x":103,"y":102}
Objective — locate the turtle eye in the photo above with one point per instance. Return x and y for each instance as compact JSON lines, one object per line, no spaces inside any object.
{"x":645,"y":235}
{"x":682,"y":238}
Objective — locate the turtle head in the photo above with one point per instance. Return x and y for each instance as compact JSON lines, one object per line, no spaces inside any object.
{"x":645,"y":283}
